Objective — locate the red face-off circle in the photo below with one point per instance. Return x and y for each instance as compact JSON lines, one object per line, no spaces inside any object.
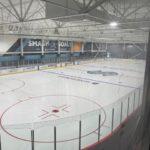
{"x":54,"y":111}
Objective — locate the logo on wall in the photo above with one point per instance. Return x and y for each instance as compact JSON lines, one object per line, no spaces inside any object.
{"x":65,"y":45}
{"x":37,"y":44}
{"x":34,"y":43}
{"x":50,"y":45}
{"x":31,"y":45}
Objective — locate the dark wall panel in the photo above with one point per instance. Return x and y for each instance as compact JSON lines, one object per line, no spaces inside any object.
{"x":87,"y":46}
{"x":32,"y":45}
{"x":50,"y":46}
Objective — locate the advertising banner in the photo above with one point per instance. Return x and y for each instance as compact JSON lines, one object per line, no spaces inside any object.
{"x":65,"y":45}
{"x":76,"y":47}
{"x":50,"y":46}
{"x":32,"y":45}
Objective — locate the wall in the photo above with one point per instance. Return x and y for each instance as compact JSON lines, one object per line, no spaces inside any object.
{"x":33,"y":50}
{"x":6,"y":43}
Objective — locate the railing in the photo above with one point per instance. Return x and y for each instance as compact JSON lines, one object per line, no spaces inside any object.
{"x":19,"y":63}
{"x":71,"y":133}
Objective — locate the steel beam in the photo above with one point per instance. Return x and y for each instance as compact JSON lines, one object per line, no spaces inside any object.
{"x":59,"y":5}
{"x":13,"y":7}
{"x":95,"y":5}
{"x":130,"y":5}
{"x":27,"y":10}
{"x":138,"y":8}
{"x":21,"y":11}
{"x":8,"y":10}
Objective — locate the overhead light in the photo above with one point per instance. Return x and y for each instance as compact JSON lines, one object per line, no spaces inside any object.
{"x":10,"y":31}
{"x":85,"y":19}
{"x":113,"y":24}
{"x":130,"y":46}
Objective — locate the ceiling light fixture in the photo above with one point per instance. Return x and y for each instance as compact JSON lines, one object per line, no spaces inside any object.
{"x":113,"y":24}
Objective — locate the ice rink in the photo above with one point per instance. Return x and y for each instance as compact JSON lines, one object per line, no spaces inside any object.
{"x":61,"y":97}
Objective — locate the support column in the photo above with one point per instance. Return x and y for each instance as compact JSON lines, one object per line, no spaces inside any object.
{"x":92,"y":46}
{"x":145,"y":47}
{"x":58,"y":47}
{"x":124,"y":50}
{"x":42,"y":47}
{"x":82,"y":50}
{"x":21,"y":45}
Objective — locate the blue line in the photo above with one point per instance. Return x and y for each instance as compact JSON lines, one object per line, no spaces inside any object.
{"x":131,"y":70}
{"x":89,"y":79}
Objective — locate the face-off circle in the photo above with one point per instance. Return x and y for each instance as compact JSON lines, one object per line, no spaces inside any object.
{"x":49,"y":108}
{"x":10,"y":85}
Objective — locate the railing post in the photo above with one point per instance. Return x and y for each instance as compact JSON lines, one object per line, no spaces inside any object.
{"x":112,"y":123}
{"x":121,"y":112}
{"x":99,"y":127}
{"x":134,"y":101}
{"x":139,"y":97}
{"x":0,"y":143}
{"x":55,"y":138}
{"x":80,"y":135}
{"x":32,"y":139}
{"x":128,"y":106}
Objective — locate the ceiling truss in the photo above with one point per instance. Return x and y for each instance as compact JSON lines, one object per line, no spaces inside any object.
{"x":28,"y":17}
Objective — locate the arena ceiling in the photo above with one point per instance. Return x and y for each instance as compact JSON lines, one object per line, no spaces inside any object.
{"x":76,"y":19}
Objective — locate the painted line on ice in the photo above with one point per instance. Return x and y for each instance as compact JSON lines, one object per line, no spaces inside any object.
{"x":60,"y":141}
{"x":15,"y":88}
{"x":113,"y":68}
{"x":64,"y":75}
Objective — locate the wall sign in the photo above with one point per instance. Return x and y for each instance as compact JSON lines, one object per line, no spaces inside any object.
{"x":65,"y":45}
{"x":32,"y":45}
{"x":50,"y":45}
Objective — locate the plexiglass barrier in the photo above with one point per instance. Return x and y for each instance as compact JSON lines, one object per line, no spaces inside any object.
{"x":71,"y":133}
